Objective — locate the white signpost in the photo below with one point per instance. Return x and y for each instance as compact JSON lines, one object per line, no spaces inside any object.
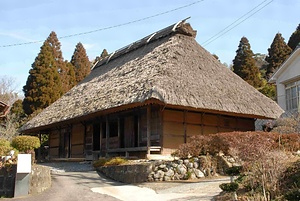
{"x":23,"y":175}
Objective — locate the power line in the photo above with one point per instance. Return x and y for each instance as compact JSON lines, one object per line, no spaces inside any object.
{"x":227,"y":29}
{"x":110,"y":27}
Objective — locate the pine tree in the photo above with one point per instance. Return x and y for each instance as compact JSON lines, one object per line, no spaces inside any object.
{"x":278,"y":53}
{"x":244,"y":64}
{"x":81,"y":63}
{"x":295,"y":39}
{"x":43,"y":85}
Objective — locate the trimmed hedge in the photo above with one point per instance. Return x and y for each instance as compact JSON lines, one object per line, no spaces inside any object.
{"x":26,"y":143}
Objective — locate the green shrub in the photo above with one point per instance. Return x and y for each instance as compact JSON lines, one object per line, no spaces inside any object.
{"x":293,"y":195}
{"x":5,"y":148}
{"x":229,"y":187}
{"x":26,"y":143}
{"x":4,"y":142}
{"x":234,"y":170}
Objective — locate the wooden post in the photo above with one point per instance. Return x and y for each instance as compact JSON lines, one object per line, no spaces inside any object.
{"x":148,"y":129}
{"x":39,"y":149}
{"x":161,"y":130}
{"x":101,"y":136}
{"x":107,"y":135}
{"x":184,"y":126}
{"x":119,"y":132}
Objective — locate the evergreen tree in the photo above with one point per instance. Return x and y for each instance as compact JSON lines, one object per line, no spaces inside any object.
{"x":244,"y":64}
{"x":278,"y":53}
{"x":81,"y":63}
{"x":104,"y":54}
{"x":71,"y":75}
{"x":43,"y":85}
{"x":294,"y":39}
{"x":59,"y":60}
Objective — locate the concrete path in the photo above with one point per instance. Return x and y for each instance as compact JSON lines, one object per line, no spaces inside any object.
{"x":78,"y":182}
{"x":166,"y":191}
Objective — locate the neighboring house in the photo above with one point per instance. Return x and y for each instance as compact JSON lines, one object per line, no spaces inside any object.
{"x":4,"y":109}
{"x":148,"y":98}
{"x":287,"y":80}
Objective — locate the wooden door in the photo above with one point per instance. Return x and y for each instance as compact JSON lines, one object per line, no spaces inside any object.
{"x":129,"y":132}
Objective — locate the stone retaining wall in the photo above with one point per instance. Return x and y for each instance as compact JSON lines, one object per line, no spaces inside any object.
{"x":141,"y":171}
{"x":7,"y":181}
{"x":40,"y":179}
{"x":136,"y":173}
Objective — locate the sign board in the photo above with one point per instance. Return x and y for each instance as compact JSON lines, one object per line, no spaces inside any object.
{"x":24,"y":163}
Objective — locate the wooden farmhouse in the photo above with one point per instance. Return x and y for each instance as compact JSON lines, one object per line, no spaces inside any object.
{"x":148,"y":98}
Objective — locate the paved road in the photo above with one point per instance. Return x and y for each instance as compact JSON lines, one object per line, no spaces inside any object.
{"x":73,"y":186}
{"x":78,"y":182}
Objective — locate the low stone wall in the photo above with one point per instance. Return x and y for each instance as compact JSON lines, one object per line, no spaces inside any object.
{"x":135,"y":173}
{"x":40,"y":179}
{"x":193,"y":168}
{"x":7,"y":181}
{"x":138,"y":172}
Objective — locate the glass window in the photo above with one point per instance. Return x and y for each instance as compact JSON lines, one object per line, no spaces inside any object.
{"x":292,"y":91}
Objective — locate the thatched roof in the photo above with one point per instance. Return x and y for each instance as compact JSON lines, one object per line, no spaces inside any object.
{"x":171,"y":69}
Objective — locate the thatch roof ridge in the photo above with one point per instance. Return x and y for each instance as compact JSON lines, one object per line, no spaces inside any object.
{"x":175,"y":70}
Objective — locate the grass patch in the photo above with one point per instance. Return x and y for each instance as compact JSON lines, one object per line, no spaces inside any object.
{"x":109,"y":162}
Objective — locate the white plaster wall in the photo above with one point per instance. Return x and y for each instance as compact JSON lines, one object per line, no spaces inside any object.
{"x":292,"y":71}
{"x":281,"y":96}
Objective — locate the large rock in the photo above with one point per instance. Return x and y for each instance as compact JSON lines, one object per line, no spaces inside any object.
{"x":181,"y":169}
{"x":196,"y":165}
{"x":190,"y":165}
{"x":170,"y":173}
{"x":159,"y":174}
{"x":186,"y":162}
{"x":198,"y":173}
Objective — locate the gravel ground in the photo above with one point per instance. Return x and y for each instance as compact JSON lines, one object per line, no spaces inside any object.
{"x":69,"y":166}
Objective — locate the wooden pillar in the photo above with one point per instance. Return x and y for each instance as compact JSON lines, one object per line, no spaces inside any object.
{"x":148,"y":128}
{"x":39,"y":149}
{"x":119,"y":131}
{"x":184,"y":125}
{"x":101,"y":136}
{"x":107,"y":134}
{"x":161,"y":131}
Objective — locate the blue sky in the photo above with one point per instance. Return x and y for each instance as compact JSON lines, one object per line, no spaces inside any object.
{"x":27,"y":21}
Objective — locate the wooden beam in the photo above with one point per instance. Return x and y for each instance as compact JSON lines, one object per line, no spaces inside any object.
{"x":148,"y":128}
